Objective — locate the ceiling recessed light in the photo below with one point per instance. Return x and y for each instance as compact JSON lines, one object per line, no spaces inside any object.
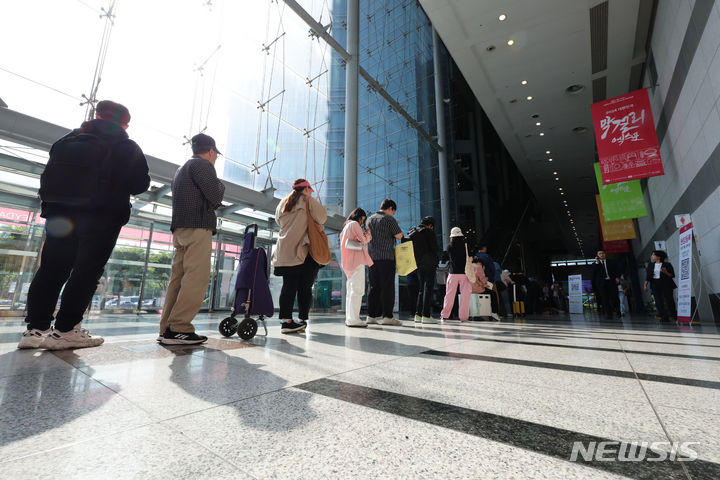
{"x":490,"y":48}
{"x":549,"y":159}
{"x":511,"y":42}
{"x":557,"y":178}
{"x":537,"y":123}
{"x":574,"y":89}
{"x":554,"y":173}
{"x":529,"y":97}
{"x":560,"y":188}
{"x":542,"y":134}
{"x":562,"y":193}
{"x":502,"y":17}
{"x":547,"y":152}
{"x":524,"y":82}
{"x":513,"y":100}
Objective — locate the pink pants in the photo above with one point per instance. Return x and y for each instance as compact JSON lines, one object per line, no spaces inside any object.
{"x":454,"y":281}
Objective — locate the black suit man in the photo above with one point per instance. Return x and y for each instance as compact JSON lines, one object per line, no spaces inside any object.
{"x":606,"y":278}
{"x":659,"y":276}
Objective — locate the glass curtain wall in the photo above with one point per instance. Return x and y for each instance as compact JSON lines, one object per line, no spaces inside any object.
{"x":21,"y":234}
{"x":393,"y":160}
{"x":271,"y":93}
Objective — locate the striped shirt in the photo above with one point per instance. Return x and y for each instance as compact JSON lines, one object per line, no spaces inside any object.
{"x":196,"y":193}
{"x":383,"y":228}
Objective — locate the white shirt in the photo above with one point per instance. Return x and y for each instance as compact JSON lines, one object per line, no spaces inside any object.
{"x":656,"y":274}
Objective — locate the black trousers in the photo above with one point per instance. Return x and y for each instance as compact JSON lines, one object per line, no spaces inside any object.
{"x":78,"y":258}
{"x":664,"y":300}
{"x":426,"y":275}
{"x":297,"y":282}
{"x":381,"y":294}
{"x":608,"y":293}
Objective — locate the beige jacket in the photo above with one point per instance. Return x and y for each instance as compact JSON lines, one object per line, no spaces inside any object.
{"x":292,"y":245}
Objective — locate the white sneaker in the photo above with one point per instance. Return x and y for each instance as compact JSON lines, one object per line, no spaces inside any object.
{"x":75,"y":338}
{"x":429,"y":320}
{"x":495,"y":317}
{"x":372,"y":320}
{"x":33,"y":338}
{"x":390,"y":321}
{"x":356,"y":324}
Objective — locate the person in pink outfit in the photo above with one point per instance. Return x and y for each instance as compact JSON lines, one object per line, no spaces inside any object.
{"x":457,"y":250}
{"x":481,"y":279}
{"x":354,"y":257}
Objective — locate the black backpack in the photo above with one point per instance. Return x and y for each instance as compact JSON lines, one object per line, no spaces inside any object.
{"x":419,"y":244}
{"x":77,"y":172}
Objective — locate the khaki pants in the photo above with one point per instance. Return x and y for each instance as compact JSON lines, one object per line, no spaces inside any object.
{"x":189,"y":279}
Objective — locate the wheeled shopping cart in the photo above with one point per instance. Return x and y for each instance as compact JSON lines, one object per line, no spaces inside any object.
{"x":252,"y":290}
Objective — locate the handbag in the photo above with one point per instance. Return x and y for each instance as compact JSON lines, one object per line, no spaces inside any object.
{"x":319,"y":245}
{"x":405,"y":259}
{"x":353,"y":245}
{"x":469,"y":270}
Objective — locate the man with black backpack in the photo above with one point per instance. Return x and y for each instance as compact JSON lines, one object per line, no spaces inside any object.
{"x":85,"y":192}
{"x":426,"y":258}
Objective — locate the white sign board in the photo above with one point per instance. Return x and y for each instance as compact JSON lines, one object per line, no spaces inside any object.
{"x":684,"y":275}
{"x":660,"y":245}
{"x":575,"y":293}
{"x":682,"y":220}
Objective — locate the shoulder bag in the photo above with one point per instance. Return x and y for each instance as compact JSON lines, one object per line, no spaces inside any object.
{"x":469,"y":270}
{"x":319,"y":245}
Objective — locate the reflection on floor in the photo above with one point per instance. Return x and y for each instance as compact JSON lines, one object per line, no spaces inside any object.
{"x":475,"y":400}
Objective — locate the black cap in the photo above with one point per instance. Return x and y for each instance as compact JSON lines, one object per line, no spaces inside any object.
{"x":201,"y":140}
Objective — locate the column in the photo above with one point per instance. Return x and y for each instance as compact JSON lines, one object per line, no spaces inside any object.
{"x":442,"y":157}
{"x":350,"y":190}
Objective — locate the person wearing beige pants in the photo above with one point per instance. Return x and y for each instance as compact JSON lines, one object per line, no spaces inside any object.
{"x":189,"y":280}
{"x":196,"y":194}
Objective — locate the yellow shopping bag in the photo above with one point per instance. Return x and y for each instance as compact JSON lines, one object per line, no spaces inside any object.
{"x":405,"y":259}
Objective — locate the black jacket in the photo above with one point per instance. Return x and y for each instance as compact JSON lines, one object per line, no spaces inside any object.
{"x":599,"y":272}
{"x":458,"y":255}
{"x":425,"y":247}
{"x":128,"y":175}
{"x":664,"y":279}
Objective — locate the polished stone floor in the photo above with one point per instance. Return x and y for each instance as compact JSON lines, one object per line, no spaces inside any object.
{"x":479,"y":400}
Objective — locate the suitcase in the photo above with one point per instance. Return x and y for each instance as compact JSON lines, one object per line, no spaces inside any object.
{"x":517,"y":306}
{"x":480,"y":305}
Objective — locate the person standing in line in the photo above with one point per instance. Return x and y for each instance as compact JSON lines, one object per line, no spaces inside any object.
{"x":659,"y":277}
{"x":196,"y":194}
{"x":381,"y":295}
{"x":457,"y":278}
{"x":505,"y":293}
{"x":623,"y":288}
{"x":354,"y":257}
{"x":426,"y":258}
{"x":606,"y":278}
{"x":291,"y":257}
{"x":84,"y":216}
{"x":492,"y":271}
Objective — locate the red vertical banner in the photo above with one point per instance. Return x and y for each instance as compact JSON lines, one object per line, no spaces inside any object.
{"x":626,"y":140}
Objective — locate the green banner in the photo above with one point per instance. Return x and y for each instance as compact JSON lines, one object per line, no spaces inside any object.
{"x":620,"y":201}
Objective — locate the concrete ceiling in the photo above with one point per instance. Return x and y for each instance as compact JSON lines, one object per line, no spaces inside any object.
{"x":552,"y":50}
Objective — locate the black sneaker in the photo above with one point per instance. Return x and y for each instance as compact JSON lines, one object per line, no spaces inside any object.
{"x":292,"y":327}
{"x":181,"y":338}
